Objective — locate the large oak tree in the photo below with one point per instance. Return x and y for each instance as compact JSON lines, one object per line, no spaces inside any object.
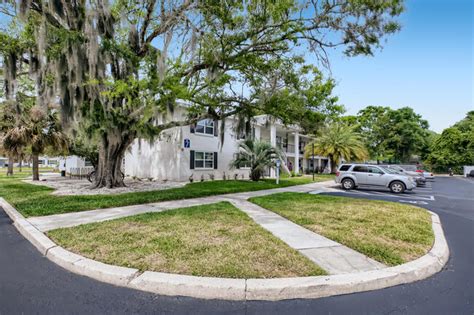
{"x":119,"y":67}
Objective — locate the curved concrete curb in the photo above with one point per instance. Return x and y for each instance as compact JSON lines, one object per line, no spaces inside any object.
{"x":238,"y":289}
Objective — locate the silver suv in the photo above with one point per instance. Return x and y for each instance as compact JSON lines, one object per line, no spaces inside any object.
{"x":351,"y":176}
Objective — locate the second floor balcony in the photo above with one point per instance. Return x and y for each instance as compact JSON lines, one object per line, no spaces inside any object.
{"x":290,"y":148}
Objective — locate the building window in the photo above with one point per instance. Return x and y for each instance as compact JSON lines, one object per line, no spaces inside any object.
{"x":203,"y":160}
{"x":205,"y":126}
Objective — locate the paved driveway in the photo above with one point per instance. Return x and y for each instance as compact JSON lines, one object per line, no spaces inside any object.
{"x":420,"y":195}
{"x":30,"y":284}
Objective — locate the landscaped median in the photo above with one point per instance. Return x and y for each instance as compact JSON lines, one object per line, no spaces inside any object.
{"x":214,"y":240}
{"x":204,"y":242}
{"x":389,"y":232}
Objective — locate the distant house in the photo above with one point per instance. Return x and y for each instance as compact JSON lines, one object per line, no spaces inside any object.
{"x":3,"y":161}
{"x":47,"y":161}
{"x":197,"y":150}
{"x":72,"y":162}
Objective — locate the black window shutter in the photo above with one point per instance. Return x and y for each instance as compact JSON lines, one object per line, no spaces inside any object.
{"x":215,"y":160}
{"x":191,"y":159}
{"x":216,"y":124}
{"x":192,"y":127}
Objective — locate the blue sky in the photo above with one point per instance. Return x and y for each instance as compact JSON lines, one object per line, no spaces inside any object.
{"x":428,"y":65}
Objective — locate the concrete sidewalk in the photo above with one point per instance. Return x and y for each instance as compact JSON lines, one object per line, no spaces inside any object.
{"x":52,"y":222}
{"x":333,"y":257}
{"x":329,"y":255}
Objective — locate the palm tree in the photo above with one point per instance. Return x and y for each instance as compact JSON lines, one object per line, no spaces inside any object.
{"x":40,"y":130}
{"x":258,"y":155}
{"x":10,"y":118}
{"x":338,"y":141}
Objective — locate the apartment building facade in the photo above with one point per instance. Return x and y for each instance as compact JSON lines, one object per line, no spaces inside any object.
{"x":197,"y":152}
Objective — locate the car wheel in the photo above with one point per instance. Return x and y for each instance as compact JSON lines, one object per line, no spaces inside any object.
{"x":397,"y":187}
{"x":348,"y":184}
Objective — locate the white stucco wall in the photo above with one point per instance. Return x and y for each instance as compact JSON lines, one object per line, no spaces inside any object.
{"x":158,"y":160}
{"x":73,"y":161}
{"x":167,"y":159}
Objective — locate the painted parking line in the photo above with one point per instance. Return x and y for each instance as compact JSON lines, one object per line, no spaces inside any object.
{"x":415,"y":202}
{"x":390,"y":195}
{"x":357,"y":192}
{"x":416,"y":197}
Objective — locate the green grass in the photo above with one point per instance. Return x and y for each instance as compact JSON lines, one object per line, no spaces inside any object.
{"x":34,"y":200}
{"x":389,"y":232}
{"x":215,"y":240}
{"x":25,"y":171}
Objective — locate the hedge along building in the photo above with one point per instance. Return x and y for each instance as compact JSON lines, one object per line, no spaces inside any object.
{"x":197,"y":150}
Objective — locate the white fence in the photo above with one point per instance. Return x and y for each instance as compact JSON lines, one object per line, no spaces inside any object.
{"x":80,"y":172}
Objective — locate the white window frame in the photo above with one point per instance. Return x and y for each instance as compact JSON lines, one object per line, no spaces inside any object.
{"x":204,"y":160}
{"x":206,"y":124}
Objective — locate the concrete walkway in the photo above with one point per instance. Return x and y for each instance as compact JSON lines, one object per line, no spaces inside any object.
{"x":56,"y":221}
{"x":333,"y":257}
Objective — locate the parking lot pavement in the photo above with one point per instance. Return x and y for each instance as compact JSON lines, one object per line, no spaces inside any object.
{"x":420,"y":195}
{"x":31,"y":284}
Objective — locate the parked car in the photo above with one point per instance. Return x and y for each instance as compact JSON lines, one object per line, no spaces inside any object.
{"x":471,"y":174}
{"x":352,"y":176}
{"x":419,"y":177}
{"x":427,"y":175}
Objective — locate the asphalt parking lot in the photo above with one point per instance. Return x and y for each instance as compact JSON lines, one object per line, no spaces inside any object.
{"x":422,"y":195}
{"x":31,"y":284}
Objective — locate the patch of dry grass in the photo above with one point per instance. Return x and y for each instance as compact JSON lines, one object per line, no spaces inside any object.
{"x":389,"y":232}
{"x":212,"y":240}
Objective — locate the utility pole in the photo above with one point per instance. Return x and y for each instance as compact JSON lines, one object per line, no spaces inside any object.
{"x":277,"y":171}
{"x":312,"y":152}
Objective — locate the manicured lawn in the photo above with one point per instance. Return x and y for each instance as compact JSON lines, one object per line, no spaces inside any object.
{"x":34,"y":200}
{"x":215,"y":240}
{"x":389,"y":232}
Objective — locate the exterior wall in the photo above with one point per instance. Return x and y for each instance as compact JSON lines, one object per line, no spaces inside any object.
{"x":72,"y":161}
{"x":225,"y":153}
{"x":167,"y":158}
{"x":158,"y":160}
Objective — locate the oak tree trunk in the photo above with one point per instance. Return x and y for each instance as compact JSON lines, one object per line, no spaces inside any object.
{"x":35,"y":167}
{"x":10,"y":166}
{"x":111,"y":152}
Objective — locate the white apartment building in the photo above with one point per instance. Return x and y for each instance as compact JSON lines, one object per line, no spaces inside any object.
{"x":197,"y":151}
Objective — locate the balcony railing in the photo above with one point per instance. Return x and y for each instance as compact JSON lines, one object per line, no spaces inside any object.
{"x":290,"y":148}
